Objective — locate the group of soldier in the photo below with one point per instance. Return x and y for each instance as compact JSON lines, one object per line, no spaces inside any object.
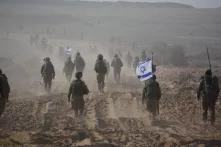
{"x":208,"y":88}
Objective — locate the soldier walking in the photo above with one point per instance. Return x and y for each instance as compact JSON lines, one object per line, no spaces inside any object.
{"x":117,"y":65}
{"x":79,"y":63}
{"x":76,"y":94}
{"x":101,"y":70}
{"x":209,"y":91}
{"x":47,"y":73}
{"x":4,"y":91}
{"x":68,"y":69}
{"x":151,"y":96}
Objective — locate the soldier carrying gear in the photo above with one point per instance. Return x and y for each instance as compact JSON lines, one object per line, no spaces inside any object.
{"x":129,"y":59}
{"x":4,"y":91}
{"x":136,"y":62}
{"x":48,"y":73}
{"x":108,"y":67}
{"x":77,"y":90}
{"x":151,"y":96}
{"x":79,"y":63}
{"x":117,"y":65}
{"x":209,"y":90}
{"x":68,"y":69}
{"x":101,"y":70}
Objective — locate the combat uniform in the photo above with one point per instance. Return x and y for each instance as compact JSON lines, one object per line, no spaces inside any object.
{"x":77,"y":90}
{"x":68,"y":69}
{"x":101,"y":70}
{"x":79,"y":63}
{"x":117,"y":65}
{"x":48,"y":73}
{"x":209,"y":88}
{"x":151,"y":96}
{"x":4,"y":91}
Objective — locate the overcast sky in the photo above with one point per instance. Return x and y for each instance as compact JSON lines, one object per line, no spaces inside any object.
{"x":195,"y":3}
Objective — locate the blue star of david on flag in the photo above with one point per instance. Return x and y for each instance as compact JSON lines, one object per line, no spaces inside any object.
{"x":144,"y":70}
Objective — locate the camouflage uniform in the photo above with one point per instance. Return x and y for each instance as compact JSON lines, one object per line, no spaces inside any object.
{"x":4,"y":91}
{"x":77,"y":90}
{"x":117,"y":65}
{"x":129,"y":60}
{"x":79,"y":63}
{"x":101,"y":70}
{"x":48,"y":73}
{"x":151,"y":95}
{"x":68,"y":69}
{"x":209,"y":88}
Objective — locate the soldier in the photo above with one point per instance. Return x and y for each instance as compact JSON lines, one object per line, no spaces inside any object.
{"x":108,"y":67}
{"x":101,"y":70}
{"x":117,"y":65}
{"x":151,"y":96}
{"x":77,"y":90}
{"x":68,"y":69}
{"x":209,"y":88}
{"x":79,"y":63}
{"x":44,"y":43}
{"x":143,"y":55}
{"x":4,"y":91}
{"x":47,"y":73}
{"x":129,"y":59}
{"x":136,"y":62}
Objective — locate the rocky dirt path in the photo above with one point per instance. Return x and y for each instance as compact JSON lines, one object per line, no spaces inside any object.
{"x":116,"y":118}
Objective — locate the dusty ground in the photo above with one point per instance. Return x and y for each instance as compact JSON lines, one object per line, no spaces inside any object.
{"x":116,"y":118}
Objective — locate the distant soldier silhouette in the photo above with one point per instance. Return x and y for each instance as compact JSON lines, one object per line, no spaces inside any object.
{"x":143,"y":55}
{"x":136,"y":62}
{"x":151,"y":96}
{"x":48,"y":73}
{"x":68,"y":69}
{"x":108,"y":67}
{"x":79,"y":63}
{"x":4,"y":91}
{"x":101,"y":70}
{"x":116,"y":65}
{"x":44,"y":43}
{"x":77,"y":90}
{"x":129,"y":59}
{"x":209,"y":90}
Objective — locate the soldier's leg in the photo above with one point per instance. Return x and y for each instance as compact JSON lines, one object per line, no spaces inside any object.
{"x":81,"y":107}
{"x":205,"y":110}
{"x":212,"y":113}
{"x":115,"y":75}
{"x":2,"y":105}
{"x":102,"y":83}
{"x":98,"y":82}
{"x":49,"y":85}
{"x":74,"y":107}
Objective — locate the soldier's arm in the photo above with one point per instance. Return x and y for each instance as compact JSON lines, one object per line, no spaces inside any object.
{"x":200,"y":88}
{"x":86,"y":90}
{"x":70,"y":92}
{"x":42,"y":69}
{"x":53,"y":71}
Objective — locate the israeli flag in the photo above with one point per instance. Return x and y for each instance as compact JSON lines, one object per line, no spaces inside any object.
{"x":68,"y":51}
{"x":144,"y":70}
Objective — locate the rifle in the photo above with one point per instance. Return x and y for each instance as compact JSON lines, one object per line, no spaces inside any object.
{"x":208,"y":56}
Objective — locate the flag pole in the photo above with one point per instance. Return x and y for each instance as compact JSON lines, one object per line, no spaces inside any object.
{"x":208,"y":56}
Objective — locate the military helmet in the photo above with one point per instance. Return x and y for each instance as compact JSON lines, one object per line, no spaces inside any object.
{"x":100,"y":57}
{"x":78,"y":75}
{"x":208,"y":72}
{"x":78,"y":54}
